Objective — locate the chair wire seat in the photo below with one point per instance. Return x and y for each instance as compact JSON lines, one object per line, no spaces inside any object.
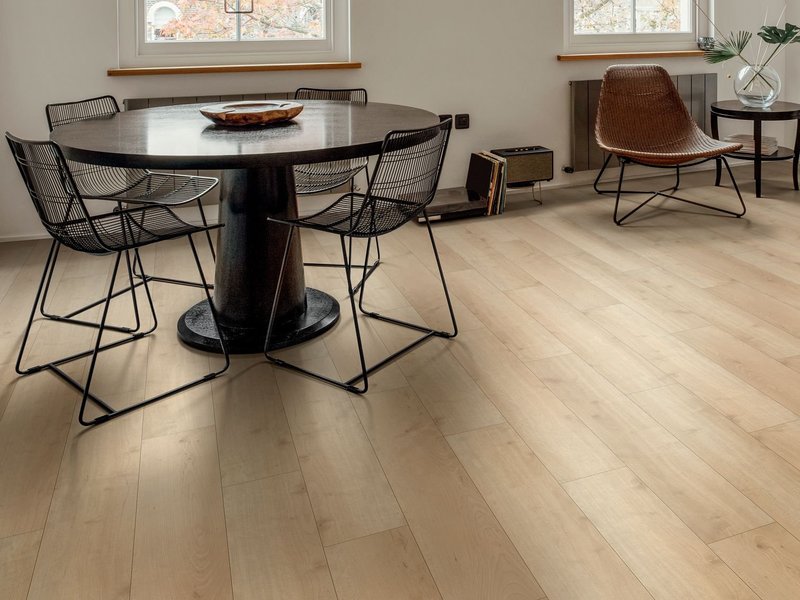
{"x":642,"y":119}
{"x":62,"y":211}
{"x":315,"y":178}
{"x":128,"y":185}
{"x":402,"y":185}
{"x":321,"y":177}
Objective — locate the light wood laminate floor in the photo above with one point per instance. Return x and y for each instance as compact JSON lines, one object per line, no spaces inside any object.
{"x":619,"y":418}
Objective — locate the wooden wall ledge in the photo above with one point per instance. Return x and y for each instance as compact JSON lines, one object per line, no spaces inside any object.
{"x":616,"y":55}
{"x":194,"y":70}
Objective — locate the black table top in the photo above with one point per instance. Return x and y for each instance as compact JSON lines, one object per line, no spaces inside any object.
{"x":777,"y":112}
{"x":179,"y":137}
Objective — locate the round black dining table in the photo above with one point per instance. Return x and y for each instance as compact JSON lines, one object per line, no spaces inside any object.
{"x":257,"y":182}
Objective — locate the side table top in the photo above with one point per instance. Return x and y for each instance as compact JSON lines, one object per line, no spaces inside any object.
{"x":779,"y":111}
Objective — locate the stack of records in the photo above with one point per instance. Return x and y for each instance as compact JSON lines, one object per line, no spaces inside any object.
{"x":769,"y":145}
{"x":486,"y":180}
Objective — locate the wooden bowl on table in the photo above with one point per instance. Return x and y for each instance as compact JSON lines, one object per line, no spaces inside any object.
{"x":251,"y":112}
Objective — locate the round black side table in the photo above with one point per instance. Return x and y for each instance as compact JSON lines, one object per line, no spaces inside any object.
{"x":780,"y":111}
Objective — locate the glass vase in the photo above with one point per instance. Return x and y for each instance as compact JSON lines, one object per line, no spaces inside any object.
{"x":757,"y":86}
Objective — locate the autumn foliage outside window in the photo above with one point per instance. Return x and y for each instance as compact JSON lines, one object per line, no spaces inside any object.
{"x":207,"y":21}
{"x":631,"y":16}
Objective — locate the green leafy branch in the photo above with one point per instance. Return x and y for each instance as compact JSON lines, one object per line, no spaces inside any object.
{"x":734,"y":44}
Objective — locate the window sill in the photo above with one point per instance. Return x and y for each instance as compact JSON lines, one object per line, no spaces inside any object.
{"x":194,"y":70}
{"x":616,"y":55}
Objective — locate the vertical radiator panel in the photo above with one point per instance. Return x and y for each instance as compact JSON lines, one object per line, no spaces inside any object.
{"x":698,"y":91}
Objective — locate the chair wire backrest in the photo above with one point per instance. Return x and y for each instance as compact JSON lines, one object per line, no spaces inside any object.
{"x":354,"y":95}
{"x":404,"y":180}
{"x":64,"y":113}
{"x":93,"y":180}
{"x":640,"y":107}
{"x":54,"y":194}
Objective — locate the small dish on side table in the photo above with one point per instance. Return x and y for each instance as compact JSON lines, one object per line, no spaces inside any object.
{"x":251,"y":112}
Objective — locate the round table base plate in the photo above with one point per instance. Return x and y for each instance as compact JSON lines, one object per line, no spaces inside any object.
{"x":196,"y":327}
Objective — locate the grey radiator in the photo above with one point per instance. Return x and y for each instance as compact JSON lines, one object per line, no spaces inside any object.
{"x":698,"y":92}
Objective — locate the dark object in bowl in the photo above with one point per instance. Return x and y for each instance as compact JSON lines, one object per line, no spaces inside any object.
{"x":253,"y":112}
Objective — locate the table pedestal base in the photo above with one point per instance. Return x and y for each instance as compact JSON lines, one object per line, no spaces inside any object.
{"x":196,"y":328}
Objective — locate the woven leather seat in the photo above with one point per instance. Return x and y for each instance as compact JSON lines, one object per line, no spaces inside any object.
{"x":641,"y":119}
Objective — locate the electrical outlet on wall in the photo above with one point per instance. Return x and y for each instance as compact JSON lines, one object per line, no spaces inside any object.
{"x":462,"y":121}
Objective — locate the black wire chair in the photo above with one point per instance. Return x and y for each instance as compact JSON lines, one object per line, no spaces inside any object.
{"x":403,"y":183}
{"x":128,"y":185}
{"x":61,"y":209}
{"x":322,"y":177}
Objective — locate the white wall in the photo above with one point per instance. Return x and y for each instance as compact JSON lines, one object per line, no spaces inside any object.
{"x":494,"y":60}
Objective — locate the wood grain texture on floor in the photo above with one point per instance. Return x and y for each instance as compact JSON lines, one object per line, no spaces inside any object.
{"x":618,"y":418}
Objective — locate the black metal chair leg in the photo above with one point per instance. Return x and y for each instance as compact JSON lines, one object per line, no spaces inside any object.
{"x":667,"y":193}
{"x":158,"y":279}
{"x":348,"y":386}
{"x":26,"y":334}
{"x":208,"y":232}
{"x":90,"y":374}
{"x":70,"y":316}
{"x":600,"y":174}
{"x":112,"y":413}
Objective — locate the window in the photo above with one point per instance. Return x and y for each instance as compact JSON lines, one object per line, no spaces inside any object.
{"x":635,"y":24}
{"x":191,"y":32}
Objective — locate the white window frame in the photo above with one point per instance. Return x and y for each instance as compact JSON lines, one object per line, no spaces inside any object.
{"x":135,"y":51}
{"x":632,"y":42}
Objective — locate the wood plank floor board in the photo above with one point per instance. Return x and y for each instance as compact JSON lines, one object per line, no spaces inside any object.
{"x":499,"y":260}
{"x":348,"y":490}
{"x":452,"y":397}
{"x":653,"y":542}
{"x":744,"y":272}
{"x":33,"y":433}
{"x":711,"y":507}
{"x":274,"y":546}
{"x":776,"y":380}
{"x":535,"y":512}
{"x":539,"y":237}
{"x":767,"y":559}
{"x":744,"y":325}
{"x":772,"y":310}
{"x":743,"y":404}
{"x":181,"y":548}
{"x":760,"y":474}
{"x":568,"y":448}
{"x":253,"y":434}
{"x":784,"y":440}
{"x":614,"y":360}
{"x":386,"y":565}
{"x":571,"y":287}
{"x":614,"y":255}
{"x":17,"y":559}
{"x":644,"y":300}
{"x":466,"y":549}
{"x":526,"y":337}
{"x":347,"y":487}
